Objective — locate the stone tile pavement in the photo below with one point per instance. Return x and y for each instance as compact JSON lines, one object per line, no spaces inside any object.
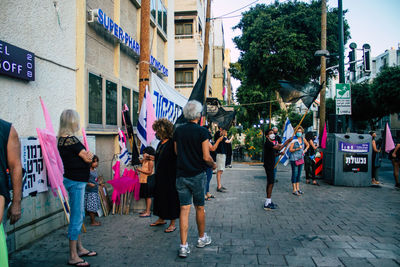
{"x":327,"y":226}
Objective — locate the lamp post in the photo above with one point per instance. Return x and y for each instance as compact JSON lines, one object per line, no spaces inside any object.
{"x":262,"y":130}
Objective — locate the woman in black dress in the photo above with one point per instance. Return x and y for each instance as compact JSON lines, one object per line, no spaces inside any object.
{"x":166,"y":201}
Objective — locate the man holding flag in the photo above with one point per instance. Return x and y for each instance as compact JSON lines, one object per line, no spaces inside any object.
{"x":270,"y":147}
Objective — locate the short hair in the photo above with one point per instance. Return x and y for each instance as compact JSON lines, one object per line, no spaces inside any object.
{"x":95,"y":158}
{"x":164,"y":128}
{"x":300,"y":128}
{"x":69,"y":122}
{"x":267,"y":131}
{"x":273,"y":128}
{"x":149,"y":150}
{"x":192,"y":110}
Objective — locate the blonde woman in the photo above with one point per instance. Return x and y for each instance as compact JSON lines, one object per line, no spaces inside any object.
{"x":76,"y":162}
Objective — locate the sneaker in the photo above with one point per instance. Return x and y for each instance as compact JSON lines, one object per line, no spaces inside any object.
{"x":183,"y":252}
{"x":300,"y":192}
{"x":202,"y":242}
{"x":296,"y":193}
{"x":270,"y":206}
{"x":223,"y":188}
{"x":220,"y":190}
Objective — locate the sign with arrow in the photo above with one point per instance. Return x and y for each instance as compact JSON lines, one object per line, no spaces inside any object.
{"x":343,"y":99}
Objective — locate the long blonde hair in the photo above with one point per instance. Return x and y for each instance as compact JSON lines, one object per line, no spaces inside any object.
{"x":69,"y":122}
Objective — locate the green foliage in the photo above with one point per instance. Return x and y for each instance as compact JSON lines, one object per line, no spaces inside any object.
{"x":254,"y":142}
{"x":294,"y":118}
{"x":278,"y":42}
{"x":372,"y":101}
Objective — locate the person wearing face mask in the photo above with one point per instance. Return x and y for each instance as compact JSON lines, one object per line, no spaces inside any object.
{"x":298,"y":148}
{"x":309,"y":159}
{"x":271,"y":146}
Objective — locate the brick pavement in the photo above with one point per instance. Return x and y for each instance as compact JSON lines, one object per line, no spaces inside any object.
{"x":327,"y":226}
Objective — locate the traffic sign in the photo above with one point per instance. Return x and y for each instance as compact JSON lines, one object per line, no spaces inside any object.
{"x":343,"y":99}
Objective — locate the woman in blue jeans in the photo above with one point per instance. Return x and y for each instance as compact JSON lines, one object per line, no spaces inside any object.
{"x":76,"y":162}
{"x":298,"y":147}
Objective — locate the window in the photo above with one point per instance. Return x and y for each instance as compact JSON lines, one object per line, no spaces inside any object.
{"x":111,"y":103}
{"x":95,"y":99}
{"x":164,"y":25}
{"x":159,"y":15}
{"x":184,"y":78}
{"x":184,"y":29}
{"x":126,"y":99}
{"x":153,"y":9}
{"x":135,"y":108}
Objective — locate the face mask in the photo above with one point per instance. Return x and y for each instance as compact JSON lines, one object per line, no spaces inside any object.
{"x":298,"y":134}
{"x":272,"y":136}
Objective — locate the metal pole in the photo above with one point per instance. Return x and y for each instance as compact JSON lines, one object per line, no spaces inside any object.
{"x":207,"y":35}
{"x":341,"y":53}
{"x":322,"y":108}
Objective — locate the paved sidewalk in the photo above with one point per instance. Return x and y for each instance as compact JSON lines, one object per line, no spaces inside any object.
{"x":327,"y":226}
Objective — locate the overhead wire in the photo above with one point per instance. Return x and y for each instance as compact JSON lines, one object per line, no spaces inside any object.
{"x":222,"y":16}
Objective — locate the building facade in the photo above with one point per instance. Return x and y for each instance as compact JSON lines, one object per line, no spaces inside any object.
{"x":86,"y":57}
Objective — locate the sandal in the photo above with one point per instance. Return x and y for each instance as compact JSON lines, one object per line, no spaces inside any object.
{"x":144,"y":215}
{"x":158,"y":224}
{"x":88,"y":254}
{"x":170,"y":230}
{"x":80,"y":263}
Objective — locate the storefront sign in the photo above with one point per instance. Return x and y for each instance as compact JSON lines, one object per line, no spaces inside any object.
{"x":115,"y":30}
{"x":154,"y":62}
{"x":354,"y":148}
{"x":32,"y":162}
{"x":16,"y":62}
{"x":355,"y":163}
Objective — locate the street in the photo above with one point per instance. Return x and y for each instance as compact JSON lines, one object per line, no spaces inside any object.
{"x":327,"y":226}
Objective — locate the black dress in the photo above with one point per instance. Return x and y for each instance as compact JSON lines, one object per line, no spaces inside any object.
{"x":166,"y":201}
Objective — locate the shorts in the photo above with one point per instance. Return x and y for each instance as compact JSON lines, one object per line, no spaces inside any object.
{"x":191,"y":187}
{"x":221,"y":158}
{"x":270,"y":175}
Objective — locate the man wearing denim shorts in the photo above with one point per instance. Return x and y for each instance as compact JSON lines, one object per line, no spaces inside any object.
{"x":193,"y":156}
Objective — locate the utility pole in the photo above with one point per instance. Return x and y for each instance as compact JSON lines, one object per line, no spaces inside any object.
{"x":322,"y":109}
{"x":207,"y":36}
{"x":341,"y":55}
{"x":144,"y":59}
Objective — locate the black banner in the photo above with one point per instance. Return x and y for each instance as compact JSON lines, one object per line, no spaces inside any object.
{"x":355,"y":163}
{"x":16,"y":62}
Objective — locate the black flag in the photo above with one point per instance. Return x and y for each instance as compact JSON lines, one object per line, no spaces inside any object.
{"x":223,"y":118}
{"x":291,"y":93}
{"x":197,"y":93}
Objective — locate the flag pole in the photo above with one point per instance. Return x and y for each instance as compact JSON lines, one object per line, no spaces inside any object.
{"x":294,"y":132}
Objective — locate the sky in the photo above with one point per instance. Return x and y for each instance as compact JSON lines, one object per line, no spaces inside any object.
{"x":376,"y":22}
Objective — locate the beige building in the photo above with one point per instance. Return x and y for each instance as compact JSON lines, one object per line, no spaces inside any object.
{"x":86,"y":55}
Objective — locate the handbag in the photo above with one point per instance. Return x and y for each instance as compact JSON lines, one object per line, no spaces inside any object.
{"x":299,"y":162}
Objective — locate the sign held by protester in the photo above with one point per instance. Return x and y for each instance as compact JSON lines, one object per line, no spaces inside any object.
{"x":33,"y":163}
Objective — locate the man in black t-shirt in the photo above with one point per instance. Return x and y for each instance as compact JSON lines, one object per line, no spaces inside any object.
{"x":271,"y":146}
{"x":192,"y":147}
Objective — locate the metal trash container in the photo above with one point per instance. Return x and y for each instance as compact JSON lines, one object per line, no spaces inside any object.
{"x":347,"y":159}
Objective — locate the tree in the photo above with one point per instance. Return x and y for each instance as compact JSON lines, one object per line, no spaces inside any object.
{"x":278,"y":42}
{"x":372,"y":101}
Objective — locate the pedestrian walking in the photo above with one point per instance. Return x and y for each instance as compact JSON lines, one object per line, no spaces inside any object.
{"x":297,"y":148}
{"x":221,"y":157}
{"x":394,"y":156}
{"x":193,"y":156}
{"x":209,"y":171}
{"x":270,"y":147}
{"x":92,"y":197}
{"x":76,"y":161}
{"x":147,"y":169}
{"x":10,"y":157}
{"x":309,"y":158}
{"x":166,"y":200}
{"x":375,"y":159}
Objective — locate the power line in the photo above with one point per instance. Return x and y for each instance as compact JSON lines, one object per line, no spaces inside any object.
{"x":222,"y":16}
{"x":227,"y":17}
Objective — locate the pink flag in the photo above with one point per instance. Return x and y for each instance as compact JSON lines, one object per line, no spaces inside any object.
{"x":389,"y":144}
{"x":49,"y":125}
{"x":150,"y":119}
{"x":324,"y":136}
{"x":85,"y":143}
